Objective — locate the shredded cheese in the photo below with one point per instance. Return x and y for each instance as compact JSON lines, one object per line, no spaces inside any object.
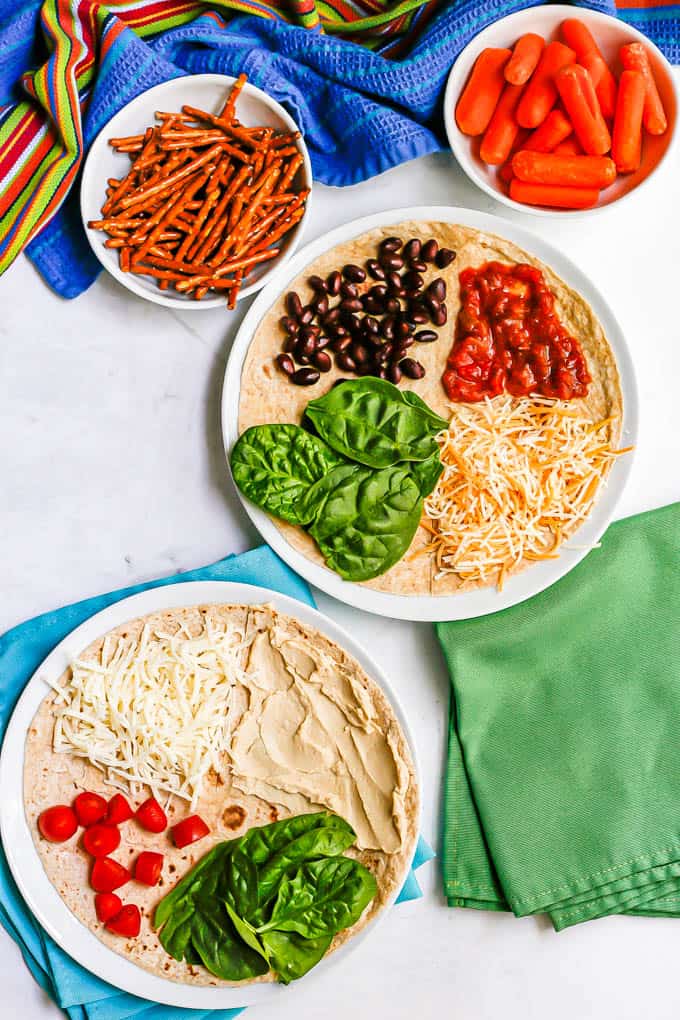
{"x":152,"y":709}
{"x":520,"y":474}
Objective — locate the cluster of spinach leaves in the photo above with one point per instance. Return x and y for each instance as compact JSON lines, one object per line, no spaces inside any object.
{"x":358,"y":483}
{"x":271,"y":900}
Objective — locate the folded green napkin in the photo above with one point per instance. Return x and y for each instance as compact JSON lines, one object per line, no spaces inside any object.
{"x":562,"y":790}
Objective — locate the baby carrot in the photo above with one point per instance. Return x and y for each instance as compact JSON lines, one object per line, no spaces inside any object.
{"x":482,"y":92}
{"x":502,"y":130}
{"x":567,"y":171}
{"x":577,"y":35}
{"x":569,"y":147}
{"x":627,"y":140}
{"x":594,"y":65}
{"x":554,"y":129}
{"x":540,"y":94}
{"x":578,"y":95}
{"x":634,"y":58}
{"x":525,"y":57}
{"x":505,"y":172}
{"x":545,"y":194}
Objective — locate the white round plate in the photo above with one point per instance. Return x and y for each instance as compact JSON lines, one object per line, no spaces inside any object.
{"x":41,"y":896}
{"x":207,"y":92}
{"x":610,"y":34}
{"x":519,"y":587}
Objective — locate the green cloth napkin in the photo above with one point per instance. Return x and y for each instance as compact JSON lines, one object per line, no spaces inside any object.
{"x":562,"y":791}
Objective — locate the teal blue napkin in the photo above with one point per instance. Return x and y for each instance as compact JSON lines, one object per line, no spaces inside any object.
{"x":82,"y":995}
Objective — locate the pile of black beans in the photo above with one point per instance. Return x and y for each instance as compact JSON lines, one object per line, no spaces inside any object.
{"x":367,"y":318}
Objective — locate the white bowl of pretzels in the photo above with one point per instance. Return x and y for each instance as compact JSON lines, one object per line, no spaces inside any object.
{"x":196,"y":192}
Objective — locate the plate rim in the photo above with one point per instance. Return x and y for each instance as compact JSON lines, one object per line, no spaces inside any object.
{"x":127,"y":280}
{"x":479,"y":602}
{"x":23,"y":858}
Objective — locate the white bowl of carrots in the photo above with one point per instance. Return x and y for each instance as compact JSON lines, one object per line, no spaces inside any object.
{"x":241,"y":187}
{"x":557,"y":109}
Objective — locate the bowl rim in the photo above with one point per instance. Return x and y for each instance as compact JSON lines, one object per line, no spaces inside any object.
{"x":559,"y":12}
{"x":128,"y":280}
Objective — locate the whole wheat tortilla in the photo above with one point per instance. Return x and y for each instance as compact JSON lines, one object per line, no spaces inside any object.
{"x":266,"y":395}
{"x":56,"y":778}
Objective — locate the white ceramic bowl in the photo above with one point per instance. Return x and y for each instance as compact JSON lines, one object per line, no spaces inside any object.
{"x":207,"y":92}
{"x":610,"y":34}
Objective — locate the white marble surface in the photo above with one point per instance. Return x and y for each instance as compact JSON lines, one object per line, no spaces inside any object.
{"x":113,"y":472}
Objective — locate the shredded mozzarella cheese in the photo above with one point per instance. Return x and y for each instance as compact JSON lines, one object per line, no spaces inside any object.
{"x":152,"y":710}
{"x":519,"y":474}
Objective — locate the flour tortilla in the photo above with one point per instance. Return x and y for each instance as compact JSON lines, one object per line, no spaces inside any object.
{"x":267,"y":396}
{"x":56,"y":778}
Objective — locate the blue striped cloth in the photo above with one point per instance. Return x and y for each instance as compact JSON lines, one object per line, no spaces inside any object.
{"x":361,"y":113}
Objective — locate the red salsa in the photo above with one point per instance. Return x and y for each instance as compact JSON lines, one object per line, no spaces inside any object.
{"x":508,"y":338}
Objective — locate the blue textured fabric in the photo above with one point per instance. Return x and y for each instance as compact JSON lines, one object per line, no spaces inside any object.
{"x":360,"y":112}
{"x":81,"y":994}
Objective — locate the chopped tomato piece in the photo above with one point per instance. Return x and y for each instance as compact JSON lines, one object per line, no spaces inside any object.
{"x":151,"y":816}
{"x":107,"y":905}
{"x":58,"y":823}
{"x":189,"y":830}
{"x":108,"y":875}
{"x":126,"y":922}
{"x":101,"y":840}
{"x":118,"y":810}
{"x":89,"y":808}
{"x":148,"y":867}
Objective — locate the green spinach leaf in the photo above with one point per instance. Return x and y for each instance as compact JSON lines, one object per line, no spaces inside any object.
{"x":427,"y":473}
{"x":274,"y":465}
{"x":221,"y":949}
{"x":371,"y":421}
{"x":437,"y":422}
{"x":292,"y":956}
{"x":368,"y":522}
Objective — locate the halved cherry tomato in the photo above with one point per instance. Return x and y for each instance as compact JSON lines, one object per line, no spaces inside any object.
{"x":148,"y":867}
{"x":107,"y":875}
{"x":58,"y":823}
{"x":119,"y":810}
{"x":89,"y":808}
{"x":126,"y":922}
{"x":107,"y":905}
{"x":189,"y":830}
{"x":101,"y":840}
{"x":151,"y":816}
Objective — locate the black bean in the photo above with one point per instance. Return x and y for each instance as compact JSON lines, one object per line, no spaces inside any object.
{"x":381,"y":373}
{"x":390,"y":244}
{"x":359,"y":353}
{"x":375,"y":269}
{"x":316,"y":283}
{"x":320,"y":304}
{"x":379,"y":290}
{"x":333,"y":281}
{"x":293,"y":304}
{"x":303,"y":359}
{"x":341,"y":344}
{"x":439,"y":317}
{"x":371,"y":305}
{"x":308,"y":331}
{"x":371,"y":324}
{"x":352,"y":322}
{"x":306,"y":315}
{"x":401,"y":348}
{"x":417,"y":265}
{"x":345,"y":363}
{"x":331,"y":317}
{"x":437,"y":289}
{"x":412,"y":368}
{"x":402,"y":328}
{"x":391,"y":261}
{"x":305,"y":377}
{"x":349,"y":290}
{"x":392,"y":306}
{"x":425,"y":336}
{"x":285,"y":363}
{"x":366,"y":369}
{"x":383,"y":354}
{"x":387,"y":327}
{"x":290,"y":324}
{"x":431,"y":304}
{"x":429,"y":251}
{"x":337,"y":331}
{"x":338,"y":381}
{"x":351,"y":305}
{"x":412,"y":280}
{"x":322,"y":361}
{"x":321,"y":342}
{"x":305,"y":348}
{"x":419,"y":314}
{"x":394,"y":374}
{"x":354,"y":273}
{"x":412,"y":248}
{"x":445,"y":257}
{"x":289,"y":344}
